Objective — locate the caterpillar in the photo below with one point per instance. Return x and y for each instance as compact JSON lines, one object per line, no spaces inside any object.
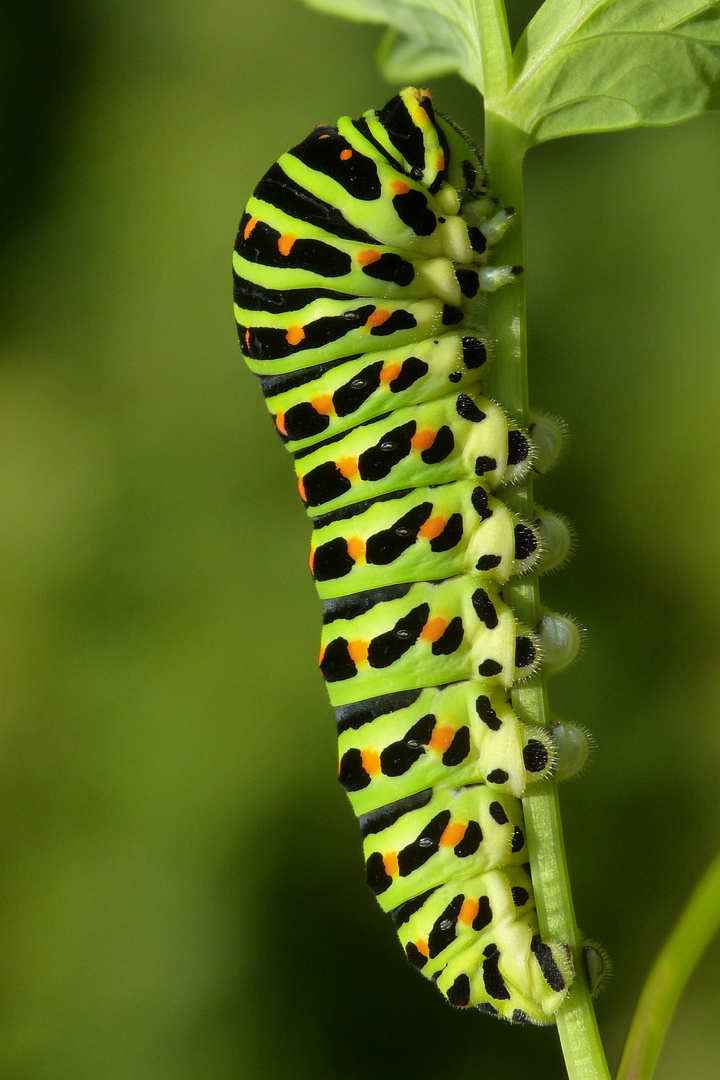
{"x":359,"y":271}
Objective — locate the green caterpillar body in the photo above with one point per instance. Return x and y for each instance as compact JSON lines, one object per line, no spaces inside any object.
{"x":359,"y":267}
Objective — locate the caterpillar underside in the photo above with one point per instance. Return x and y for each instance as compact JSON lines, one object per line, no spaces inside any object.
{"x":360,"y":266}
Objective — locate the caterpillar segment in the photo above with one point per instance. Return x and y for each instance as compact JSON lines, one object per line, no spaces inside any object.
{"x":360,"y":268}
{"x":464,"y":733}
{"x":422,"y":534}
{"x":328,"y":399}
{"x":424,"y":634}
{"x":450,"y":439}
{"x":437,"y":836}
{"x":474,"y":940}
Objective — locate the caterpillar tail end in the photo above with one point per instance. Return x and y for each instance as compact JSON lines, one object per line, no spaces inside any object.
{"x":528,"y":987}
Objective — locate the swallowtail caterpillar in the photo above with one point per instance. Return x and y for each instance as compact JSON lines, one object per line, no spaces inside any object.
{"x":360,"y":266}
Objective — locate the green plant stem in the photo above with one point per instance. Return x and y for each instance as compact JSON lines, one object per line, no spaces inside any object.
{"x":505,"y":147}
{"x":697,"y":926}
{"x":493,"y":37}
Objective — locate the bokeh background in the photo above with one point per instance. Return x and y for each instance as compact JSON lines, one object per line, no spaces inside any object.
{"x":181,"y":890}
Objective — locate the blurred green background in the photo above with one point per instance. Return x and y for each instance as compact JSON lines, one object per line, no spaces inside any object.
{"x":181,"y":890}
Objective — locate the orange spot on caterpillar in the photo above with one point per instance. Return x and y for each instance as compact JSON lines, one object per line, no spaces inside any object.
{"x":440,"y":162}
{"x":301,"y":489}
{"x":422,"y":946}
{"x":295,"y":334}
{"x":280,"y":423}
{"x":356,"y":548}
{"x":358,"y":651}
{"x":368,"y":255}
{"x":370,"y":761}
{"x":468,"y":911}
{"x":441,"y":738}
{"x":390,"y":862}
{"x":321,"y":655}
{"x":285,"y":243}
{"x":345,"y":155}
{"x":378,"y":317}
{"x":311,"y":560}
{"x":249,"y":227}
{"x":321,"y":136}
{"x":432,"y":527}
{"x":247,"y":338}
{"x":453,"y":834}
{"x":422,"y":95}
{"x":322,"y":404}
{"x":422,"y":440}
{"x":348,"y":466}
{"x":390,"y":372}
{"x":399,"y":187}
{"x":434,"y":629}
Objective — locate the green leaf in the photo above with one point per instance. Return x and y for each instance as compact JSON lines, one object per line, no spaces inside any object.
{"x":600,"y":65}
{"x":427,"y":37}
{"x":580,"y":65}
{"x":414,"y":60}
